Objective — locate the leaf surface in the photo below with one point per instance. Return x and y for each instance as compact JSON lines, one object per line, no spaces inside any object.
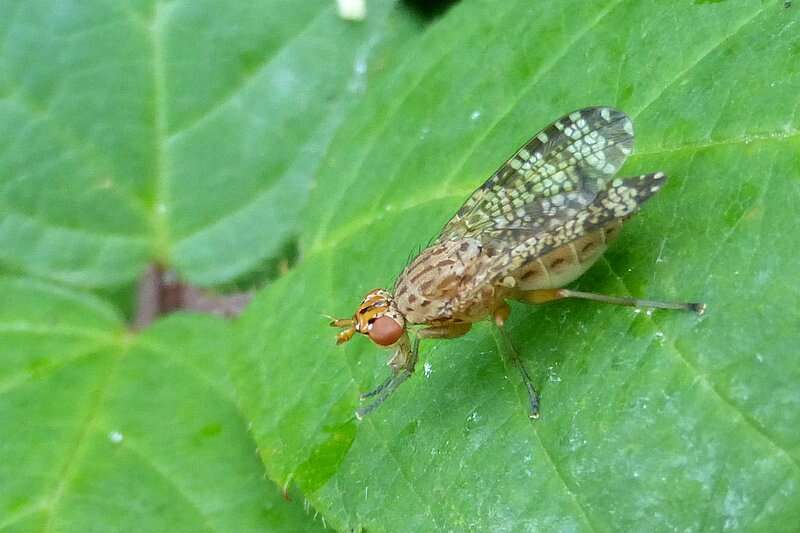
{"x":661,"y":421}
{"x":107,"y":432}
{"x":183,"y":132}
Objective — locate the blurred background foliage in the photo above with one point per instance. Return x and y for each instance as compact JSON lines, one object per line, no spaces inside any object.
{"x":275,"y":146}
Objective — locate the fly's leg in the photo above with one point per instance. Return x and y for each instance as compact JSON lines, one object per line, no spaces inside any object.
{"x":403,"y":363}
{"x":378,"y":389}
{"x":500,"y":316}
{"x":444,"y":332}
{"x":548,"y":295}
{"x":385,"y":390}
{"x":516,"y":360}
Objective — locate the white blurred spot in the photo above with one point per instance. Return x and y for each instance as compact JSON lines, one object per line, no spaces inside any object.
{"x":427,"y":369}
{"x":352,"y":9}
{"x":733,"y":507}
{"x":358,"y":83}
{"x":115,"y":437}
{"x":475,"y":115}
{"x":361,"y":66}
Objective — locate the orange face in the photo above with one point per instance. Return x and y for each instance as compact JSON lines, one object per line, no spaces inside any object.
{"x":377,"y":317}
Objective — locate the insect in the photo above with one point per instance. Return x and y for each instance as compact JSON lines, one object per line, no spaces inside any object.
{"x":538,"y":223}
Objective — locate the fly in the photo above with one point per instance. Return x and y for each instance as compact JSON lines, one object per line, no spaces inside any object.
{"x":538,"y":223}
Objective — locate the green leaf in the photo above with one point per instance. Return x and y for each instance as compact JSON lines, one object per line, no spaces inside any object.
{"x":184,"y":132}
{"x":650,"y":422}
{"x":107,"y":432}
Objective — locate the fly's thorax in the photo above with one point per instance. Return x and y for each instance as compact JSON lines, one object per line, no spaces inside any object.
{"x":429,"y":288}
{"x":379,"y":318}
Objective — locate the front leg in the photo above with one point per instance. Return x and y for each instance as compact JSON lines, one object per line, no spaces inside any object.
{"x":404,"y":361}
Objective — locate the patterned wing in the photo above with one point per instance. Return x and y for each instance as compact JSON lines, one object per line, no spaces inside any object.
{"x":619,"y":200}
{"x":548,"y":181}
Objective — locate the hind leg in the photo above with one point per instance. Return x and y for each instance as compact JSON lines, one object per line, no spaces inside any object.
{"x":548,"y":295}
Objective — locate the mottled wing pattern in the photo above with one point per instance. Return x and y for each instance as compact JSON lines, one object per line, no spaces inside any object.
{"x":619,"y":200}
{"x":548,"y":181}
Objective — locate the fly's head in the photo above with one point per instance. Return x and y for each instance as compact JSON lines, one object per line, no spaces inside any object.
{"x":377,"y":317}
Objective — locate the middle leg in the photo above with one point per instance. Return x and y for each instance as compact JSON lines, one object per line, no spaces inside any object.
{"x":449,"y":331}
{"x":500,"y":316}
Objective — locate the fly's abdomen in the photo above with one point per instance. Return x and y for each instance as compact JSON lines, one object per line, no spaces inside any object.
{"x":566,"y":263}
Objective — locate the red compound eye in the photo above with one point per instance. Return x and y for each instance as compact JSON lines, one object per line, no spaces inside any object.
{"x":385,"y":331}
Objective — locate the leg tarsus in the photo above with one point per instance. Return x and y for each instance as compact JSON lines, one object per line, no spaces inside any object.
{"x":376,"y":390}
{"x":533,"y":396}
{"x":385,"y":391}
{"x":402,"y":363}
{"x":516,"y":360}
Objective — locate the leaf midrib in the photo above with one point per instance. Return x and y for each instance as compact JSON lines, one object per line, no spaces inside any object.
{"x":162,"y":248}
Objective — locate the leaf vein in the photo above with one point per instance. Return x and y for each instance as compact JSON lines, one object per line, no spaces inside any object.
{"x":148,"y":462}
{"x":555,"y":58}
{"x":697,"y":61}
{"x":160,"y":220}
{"x":245,"y":80}
{"x":710,"y":386}
{"x":372,"y":142}
{"x":75,"y":455}
{"x":523,"y":400}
